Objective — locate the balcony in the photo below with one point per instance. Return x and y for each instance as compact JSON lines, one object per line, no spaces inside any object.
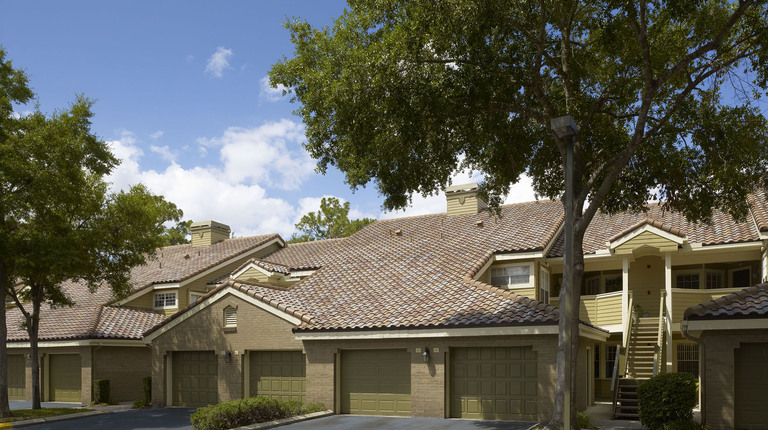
{"x":599,"y":309}
{"x":683,"y":299}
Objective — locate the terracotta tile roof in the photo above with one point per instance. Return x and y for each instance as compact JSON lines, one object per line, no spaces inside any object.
{"x":266,"y":265}
{"x":652,"y":222}
{"x":750,"y":302}
{"x":758,"y":204}
{"x":126,"y":322}
{"x":724,"y":229}
{"x":412,"y":272}
{"x":91,"y":318}
{"x":180,"y":262}
{"x":305,"y":255}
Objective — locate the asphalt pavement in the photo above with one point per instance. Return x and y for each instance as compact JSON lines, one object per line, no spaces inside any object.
{"x":335,"y":422}
{"x":135,"y":419}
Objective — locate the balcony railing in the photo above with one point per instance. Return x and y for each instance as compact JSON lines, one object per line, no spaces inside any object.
{"x":599,"y":309}
{"x":683,"y":299}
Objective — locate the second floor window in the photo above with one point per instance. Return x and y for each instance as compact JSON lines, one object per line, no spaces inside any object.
{"x":165,"y":300}
{"x":511,"y":276}
{"x":687,"y":280}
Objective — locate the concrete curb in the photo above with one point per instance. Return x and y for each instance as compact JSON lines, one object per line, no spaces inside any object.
{"x":33,"y":421}
{"x":285,"y":421}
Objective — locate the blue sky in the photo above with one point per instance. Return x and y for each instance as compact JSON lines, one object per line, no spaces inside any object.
{"x":181,"y":97}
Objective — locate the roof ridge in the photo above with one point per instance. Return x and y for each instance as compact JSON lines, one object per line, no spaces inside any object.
{"x":653,"y":222}
{"x":445,"y":214}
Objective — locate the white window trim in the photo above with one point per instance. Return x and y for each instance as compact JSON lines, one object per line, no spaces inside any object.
{"x":531,"y":275}
{"x":195,"y":293}
{"x":542,"y":272}
{"x":176,"y":301}
{"x":699,"y":272}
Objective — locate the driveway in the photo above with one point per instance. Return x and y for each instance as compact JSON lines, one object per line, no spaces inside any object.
{"x":391,"y":423}
{"x":136,"y":419}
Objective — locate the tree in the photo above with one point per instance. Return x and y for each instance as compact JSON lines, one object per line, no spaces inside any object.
{"x":14,"y":89}
{"x":331,"y":221}
{"x":60,"y":222}
{"x":402,"y":93}
{"x":178,"y":234}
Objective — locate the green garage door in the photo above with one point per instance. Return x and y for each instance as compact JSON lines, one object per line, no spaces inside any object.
{"x":751,"y":389}
{"x":278,"y":374}
{"x":376,"y":382}
{"x":65,"y":380}
{"x":17,"y":377}
{"x":494,"y":383}
{"x":195,"y":378}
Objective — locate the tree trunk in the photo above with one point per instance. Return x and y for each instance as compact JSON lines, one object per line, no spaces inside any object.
{"x":33,"y":325}
{"x":5,"y":409}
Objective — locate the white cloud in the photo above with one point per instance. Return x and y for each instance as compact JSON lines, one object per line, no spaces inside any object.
{"x":270,"y":93}
{"x":164,"y":151}
{"x":219,"y":62}
{"x":234,"y":191}
{"x":157,"y":135}
{"x":270,"y":154}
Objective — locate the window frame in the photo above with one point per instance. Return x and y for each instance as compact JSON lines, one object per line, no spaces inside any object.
{"x":731,"y":272}
{"x":677,"y":273}
{"x":531,"y":275}
{"x":544,"y":274}
{"x":195,"y":293}
{"x":165,"y":304}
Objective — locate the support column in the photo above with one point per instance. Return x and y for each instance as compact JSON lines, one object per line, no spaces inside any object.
{"x":764,"y":264}
{"x":625,"y":313}
{"x":668,"y":306}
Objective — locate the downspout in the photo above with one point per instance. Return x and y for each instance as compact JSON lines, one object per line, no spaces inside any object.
{"x":702,"y":367}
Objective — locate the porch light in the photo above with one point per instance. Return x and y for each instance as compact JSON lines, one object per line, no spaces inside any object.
{"x":425,"y":354}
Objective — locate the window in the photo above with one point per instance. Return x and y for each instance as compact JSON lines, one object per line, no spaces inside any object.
{"x":613,"y":283}
{"x":195,"y":296}
{"x":230,"y":317}
{"x":597,"y":361}
{"x":543,"y":285}
{"x":688,"y":358}
{"x":512,"y":276}
{"x":610,"y":360}
{"x":740,"y":278}
{"x":687,"y":280}
{"x":592,"y":286}
{"x":714,"y":280}
{"x":165,"y":300}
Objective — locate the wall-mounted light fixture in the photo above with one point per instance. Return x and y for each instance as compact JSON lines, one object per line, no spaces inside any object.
{"x":227,"y":356}
{"x":425,"y":354}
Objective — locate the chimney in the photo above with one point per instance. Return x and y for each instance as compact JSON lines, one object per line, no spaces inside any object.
{"x":463,"y":199}
{"x":206,"y":233}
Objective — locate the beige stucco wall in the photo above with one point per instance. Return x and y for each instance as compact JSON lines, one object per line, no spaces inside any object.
{"x":204,"y":331}
{"x":718,"y":374}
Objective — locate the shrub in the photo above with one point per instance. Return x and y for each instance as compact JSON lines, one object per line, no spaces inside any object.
{"x":147,"y":382}
{"x":101,"y":391}
{"x":237,"y":413}
{"x":140,"y":404}
{"x":666,"y":402}
{"x":583,"y":420}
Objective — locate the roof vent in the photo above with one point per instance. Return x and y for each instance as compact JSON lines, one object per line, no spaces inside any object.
{"x":208,"y":232}
{"x":464,"y":199}
{"x":479,"y":223}
{"x":398,"y":232}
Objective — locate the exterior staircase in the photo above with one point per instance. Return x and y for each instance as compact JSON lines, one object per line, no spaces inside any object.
{"x":642,"y":350}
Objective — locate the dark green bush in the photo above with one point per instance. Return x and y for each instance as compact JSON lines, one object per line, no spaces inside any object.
{"x":101,"y":391}
{"x":147,"y":382}
{"x":666,"y":402}
{"x":237,"y":413}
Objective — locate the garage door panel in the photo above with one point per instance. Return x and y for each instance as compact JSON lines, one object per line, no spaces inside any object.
{"x":505,"y":387}
{"x":195,"y":378}
{"x":17,"y":377}
{"x":750,"y":388}
{"x":278,"y":374}
{"x":65,"y":378}
{"x":376,"y":382}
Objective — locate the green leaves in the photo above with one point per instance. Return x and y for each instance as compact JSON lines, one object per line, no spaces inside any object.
{"x":402,"y":93}
{"x":330,"y":222}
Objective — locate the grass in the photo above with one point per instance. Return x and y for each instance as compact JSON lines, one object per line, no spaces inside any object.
{"x":28,"y":414}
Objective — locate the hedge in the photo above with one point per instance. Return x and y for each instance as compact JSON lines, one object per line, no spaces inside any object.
{"x":242,"y":412}
{"x":101,"y":391}
{"x":666,"y":401}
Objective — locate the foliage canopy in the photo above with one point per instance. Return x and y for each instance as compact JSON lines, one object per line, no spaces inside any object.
{"x":331,"y":221}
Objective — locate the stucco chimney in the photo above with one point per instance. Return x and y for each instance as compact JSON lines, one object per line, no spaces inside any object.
{"x":464,"y":199}
{"x":206,"y":233}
